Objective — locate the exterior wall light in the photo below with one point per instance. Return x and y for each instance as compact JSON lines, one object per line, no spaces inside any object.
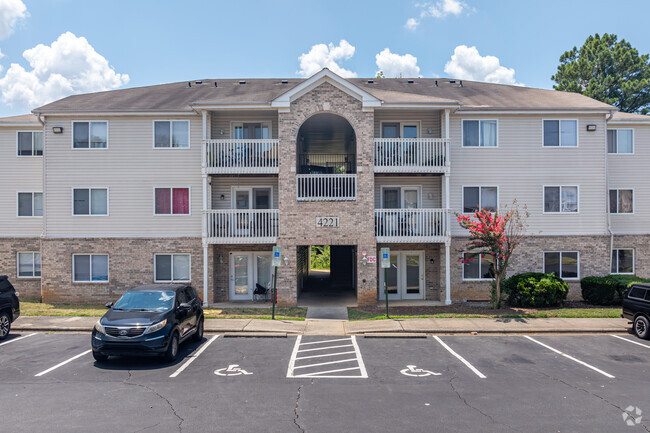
{"x":286,"y":261}
{"x":591,"y":127}
{"x":364,"y":259}
{"x":222,"y":197}
{"x":57,"y":129}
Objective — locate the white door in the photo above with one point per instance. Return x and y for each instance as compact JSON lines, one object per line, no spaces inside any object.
{"x":246,"y":270}
{"x":405,"y":277}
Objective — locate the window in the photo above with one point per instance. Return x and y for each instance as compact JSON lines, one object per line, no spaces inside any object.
{"x":620,"y":141}
{"x":89,"y":135}
{"x":563,"y":264}
{"x":171,"y":268}
{"x":560,"y":199}
{"x":171,"y":133}
{"x":479,"y":133}
{"x":621,"y":201}
{"x":480,"y":197}
{"x":395,"y":197}
{"x":89,"y":268}
{"x":29,"y":265}
{"x":478,"y":266}
{"x":30,"y":143}
{"x":172,"y":201}
{"x":562,"y":133}
{"x":400,"y":129}
{"x":622,"y":261}
{"x":30,"y":204}
{"x":253,"y":130}
{"x":637,"y":292}
{"x":90,"y":201}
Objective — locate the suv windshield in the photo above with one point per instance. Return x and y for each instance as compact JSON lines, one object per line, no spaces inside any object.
{"x":150,"y":301}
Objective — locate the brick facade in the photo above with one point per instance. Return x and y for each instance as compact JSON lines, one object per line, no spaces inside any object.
{"x":221,"y":269}
{"x":434,"y":285}
{"x":641,"y":245}
{"x":29,"y":288}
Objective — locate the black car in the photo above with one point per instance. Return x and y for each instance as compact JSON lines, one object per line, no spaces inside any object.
{"x":9,"y":306}
{"x":149,"y":320}
{"x":636,"y":307}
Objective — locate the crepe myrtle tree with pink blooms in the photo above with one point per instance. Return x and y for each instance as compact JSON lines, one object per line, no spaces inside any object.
{"x":496,"y":234}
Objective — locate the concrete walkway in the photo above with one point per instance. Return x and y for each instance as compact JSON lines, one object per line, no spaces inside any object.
{"x":342,"y":327}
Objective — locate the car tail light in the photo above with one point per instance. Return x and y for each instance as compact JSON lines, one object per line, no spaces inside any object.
{"x":200,"y":300}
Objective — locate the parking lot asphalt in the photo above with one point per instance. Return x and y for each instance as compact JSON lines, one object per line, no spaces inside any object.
{"x":444,"y":383}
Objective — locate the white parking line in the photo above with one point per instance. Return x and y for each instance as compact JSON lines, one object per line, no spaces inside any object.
{"x":570,"y":357}
{"x":193,"y":356}
{"x":318,"y":374}
{"x":463,"y":360}
{"x":16,"y":339}
{"x":326,"y":354}
{"x":630,"y":341}
{"x":327,"y":341}
{"x":325,"y":363}
{"x":361,"y":368}
{"x":325,"y":348}
{"x":63,"y":363}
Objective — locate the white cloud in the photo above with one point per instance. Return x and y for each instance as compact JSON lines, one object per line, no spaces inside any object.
{"x":327,"y":56}
{"x":466,"y":63}
{"x":70,"y":65}
{"x":393,"y":65}
{"x":11,"y":11}
{"x":439,"y":9}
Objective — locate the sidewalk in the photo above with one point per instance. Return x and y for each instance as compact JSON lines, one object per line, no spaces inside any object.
{"x":236,"y":327}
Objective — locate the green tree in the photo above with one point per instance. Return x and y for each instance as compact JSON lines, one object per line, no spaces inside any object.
{"x":608,"y":70}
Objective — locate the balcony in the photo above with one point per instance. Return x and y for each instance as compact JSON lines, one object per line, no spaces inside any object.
{"x":326,"y":187}
{"x":245,"y":226}
{"x":411,"y":225}
{"x":411,"y":155}
{"x":240,"y":156}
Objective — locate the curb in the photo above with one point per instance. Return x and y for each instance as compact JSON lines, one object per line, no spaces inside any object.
{"x":255,"y":335}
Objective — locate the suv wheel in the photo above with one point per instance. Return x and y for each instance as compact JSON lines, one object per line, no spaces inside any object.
{"x":198,"y":334}
{"x":642,"y":327}
{"x":172,"y":349}
{"x":5,"y":325}
{"x":99,"y":357}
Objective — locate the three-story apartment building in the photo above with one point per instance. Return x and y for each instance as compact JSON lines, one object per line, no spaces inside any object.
{"x":197,"y":181}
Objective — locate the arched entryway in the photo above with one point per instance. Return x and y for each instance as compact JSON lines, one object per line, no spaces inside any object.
{"x":326,"y":144}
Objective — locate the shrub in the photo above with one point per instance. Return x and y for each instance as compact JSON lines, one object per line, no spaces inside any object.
{"x":535,"y":289}
{"x":608,"y":290}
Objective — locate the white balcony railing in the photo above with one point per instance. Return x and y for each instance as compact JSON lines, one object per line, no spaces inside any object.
{"x":235,"y":226}
{"x":240,"y":156}
{"x":326,"y":187}
{"x":411,"y":225}
{"x":411,"y":155}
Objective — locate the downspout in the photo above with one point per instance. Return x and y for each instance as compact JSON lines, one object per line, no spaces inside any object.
{"x":607,"y":203}
{"x":40,"y":243}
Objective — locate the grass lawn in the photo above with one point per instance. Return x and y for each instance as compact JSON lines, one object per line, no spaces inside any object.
{"x":35,"y":308}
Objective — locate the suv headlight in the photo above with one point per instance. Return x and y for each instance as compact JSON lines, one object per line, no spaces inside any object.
{"x":100,"y":328}
{"x":156,"y":327}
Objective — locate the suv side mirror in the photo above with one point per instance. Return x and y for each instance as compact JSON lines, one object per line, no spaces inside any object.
{"x":109,"y":304}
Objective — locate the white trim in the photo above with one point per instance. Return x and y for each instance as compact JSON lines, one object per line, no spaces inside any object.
{"x":478,"y":255}
{"x":402,"y":124}
{"x":155,"y":255}
{"x":462,"y":198}
{"x":561,"y":253}
{"x":617,"y":196}
{"x":171,"y":188}
{"x":234,"y":123}
{"x":559,"y":133}
{"x":577,"y":212}
{"x":32,"y":277}
{"x":89,"y":134}
{"x":153,"y":138}
{"x":213,"y":106}
{"x":401,"y":276}
{"x":32,"y":133}
{"x":115,"y":113}
{"x":233,"y":198}
{"x":480,"y":133}
{"x":18,"y":204}
{"x":90,"y":270}
{"x":620,"y":129}
{"x":90,"y":214}
{"x":548,"y":111}
{"x":419,"y":105}
{"x":617,"y":263}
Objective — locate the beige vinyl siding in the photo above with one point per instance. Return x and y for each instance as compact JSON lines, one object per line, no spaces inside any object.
{"x":18,"y":174}
{"x":520,"y":166}
{"x":130,"y":168}
{"x":428,"y":119}
{"x":221,"y":121}
{"x":224,"y":185}
{"x":632,"y":171}
{"x":430,"y":192}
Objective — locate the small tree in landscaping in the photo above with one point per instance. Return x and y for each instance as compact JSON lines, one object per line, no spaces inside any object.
{"x":495,"y":234}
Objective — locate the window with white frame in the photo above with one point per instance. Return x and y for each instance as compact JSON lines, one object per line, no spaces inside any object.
{"x":560,"y":133}
{"x":89,"y":135}
{"x":400,"y":130}
{"x":171,"y":133}
{"x":480,"y":133}
{"x":564,"y":264}
{"x":251,"y":130}
{"x":90,"y":268}
{"x":620,"y":141}
{"x":90,"y":201}
{"x":29,"y":265}
{"x":171,"y":268}
{"x":30,"y":143}
{"x":30,"y":204}
{"x":480,"y":197}
{"x":172,"y":201}
{"x":621,"y":201}
{"x":622,"y":261}
{"x":560,"y":199}
{"x":478,"y":266}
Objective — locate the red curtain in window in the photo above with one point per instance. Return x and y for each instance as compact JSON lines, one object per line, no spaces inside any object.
{"x":163,"y":201}
{"x":181,"y":200}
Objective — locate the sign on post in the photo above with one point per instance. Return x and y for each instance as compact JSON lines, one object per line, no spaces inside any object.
{"x":277,"y":257}
{"x":385,"y":257}
{"x":276,"y":262}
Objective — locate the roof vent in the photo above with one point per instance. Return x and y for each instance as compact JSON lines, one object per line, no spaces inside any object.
{"x":215,"y":84}
{"x":461,"y":83}
{"x":452,"y":81}
{"x":371,"y":81}
{"x":198,"y":82}
{"x":242,"y":81}
{"x":189,"y":84}
{"x":436,"y":83}
{"x":410,"y":81}
{"x":285,"y":81}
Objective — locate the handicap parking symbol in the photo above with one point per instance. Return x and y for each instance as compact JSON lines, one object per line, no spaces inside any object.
{"x":231,"y":370}
{"x":412,"y":370}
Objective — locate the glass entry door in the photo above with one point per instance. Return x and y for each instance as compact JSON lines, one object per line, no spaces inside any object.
{"x":405,"y":276}
{"x":246,"y":270}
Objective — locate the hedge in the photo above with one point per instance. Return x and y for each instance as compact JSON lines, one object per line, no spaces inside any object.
{"x":608,"y":290}
{"x":535,"y":289}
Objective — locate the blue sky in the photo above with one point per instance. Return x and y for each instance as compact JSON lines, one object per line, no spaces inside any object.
{"x":162,"y":41}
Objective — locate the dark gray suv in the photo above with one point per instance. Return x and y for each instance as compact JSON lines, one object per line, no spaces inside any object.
{"x":636,"y":307}
{"x":9,"y":306}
